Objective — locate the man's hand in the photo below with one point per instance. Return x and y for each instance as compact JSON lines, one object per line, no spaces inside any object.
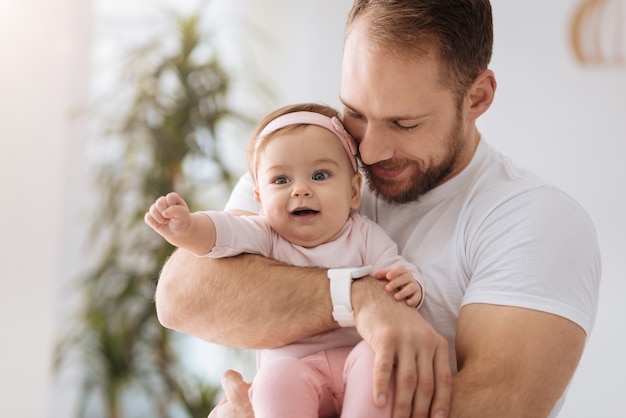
{"x":236,"y":402}
{"x":402,"y":339}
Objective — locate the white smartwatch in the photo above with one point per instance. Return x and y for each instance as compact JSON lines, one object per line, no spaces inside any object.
{"x":340,"y":286}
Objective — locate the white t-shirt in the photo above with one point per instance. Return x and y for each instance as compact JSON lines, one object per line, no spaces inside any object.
{"x":493,"y":234}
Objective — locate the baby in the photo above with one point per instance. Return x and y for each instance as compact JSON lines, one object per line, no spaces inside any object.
{"x":308,"y":186}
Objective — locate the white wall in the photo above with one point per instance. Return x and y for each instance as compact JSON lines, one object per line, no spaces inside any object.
{"x":567,"y":122}
{"x":43,"y":56}
{"x":562,"y":120}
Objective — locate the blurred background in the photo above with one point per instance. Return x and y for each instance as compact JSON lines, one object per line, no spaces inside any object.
{"x":70,"y":101}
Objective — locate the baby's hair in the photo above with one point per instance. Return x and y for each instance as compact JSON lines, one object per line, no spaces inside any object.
{"x":254,"y":151}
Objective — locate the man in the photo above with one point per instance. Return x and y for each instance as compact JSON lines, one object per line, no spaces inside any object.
{"x":511,"y":264}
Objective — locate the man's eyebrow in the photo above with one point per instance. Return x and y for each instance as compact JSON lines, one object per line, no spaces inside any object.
{"x":346,"y":104}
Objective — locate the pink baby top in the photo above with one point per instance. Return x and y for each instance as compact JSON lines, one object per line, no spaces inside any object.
{"x":361,"y":242}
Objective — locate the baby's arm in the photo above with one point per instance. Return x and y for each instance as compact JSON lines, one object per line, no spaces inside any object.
{"x":170,"y":217}
{"x":402,"y":284}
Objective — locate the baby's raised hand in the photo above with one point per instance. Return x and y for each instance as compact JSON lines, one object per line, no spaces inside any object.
{"x":402,"y":284}
{"x":169,"y":216}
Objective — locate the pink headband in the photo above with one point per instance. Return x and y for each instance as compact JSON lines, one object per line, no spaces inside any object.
{"x":311,"y":118}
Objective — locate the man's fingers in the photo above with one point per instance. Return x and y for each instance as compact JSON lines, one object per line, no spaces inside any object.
{"x":440,"y":407}
{"x":406,"y":383}
{"x":425,"y":387}
{"x":383,"y":369}
{"x":400,"y":338}
{"x":434,"y":384}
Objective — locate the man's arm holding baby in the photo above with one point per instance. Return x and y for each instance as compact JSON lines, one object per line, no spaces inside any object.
{"x":253,"y":302}
{"x":245,"y":301}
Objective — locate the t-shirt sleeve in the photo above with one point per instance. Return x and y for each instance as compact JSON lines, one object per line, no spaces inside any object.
{"x":536,"y":250}
{"x":242,"y":196}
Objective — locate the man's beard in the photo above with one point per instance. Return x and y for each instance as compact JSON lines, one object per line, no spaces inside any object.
{"x":422,"y":180}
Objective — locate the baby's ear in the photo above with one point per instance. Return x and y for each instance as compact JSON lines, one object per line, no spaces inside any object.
{"x":257,"y":198}
{"x":356,"y":191}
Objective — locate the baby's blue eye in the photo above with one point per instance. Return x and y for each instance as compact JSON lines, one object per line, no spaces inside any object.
{"x":281,"y":180}
{"x":320,"y":175}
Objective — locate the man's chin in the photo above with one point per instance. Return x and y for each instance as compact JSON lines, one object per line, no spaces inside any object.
{"x":389,"y":191}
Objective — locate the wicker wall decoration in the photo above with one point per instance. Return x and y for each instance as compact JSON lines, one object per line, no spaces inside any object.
{"x":598,"y":33}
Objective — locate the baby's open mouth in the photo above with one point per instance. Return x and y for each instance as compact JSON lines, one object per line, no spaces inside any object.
{"x":301,"y":212}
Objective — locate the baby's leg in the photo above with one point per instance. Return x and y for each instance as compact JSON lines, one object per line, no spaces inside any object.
{"x":290,"y":387}
{"x":359,"y":396}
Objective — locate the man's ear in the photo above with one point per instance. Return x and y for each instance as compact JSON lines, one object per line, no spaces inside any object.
{"x":481,"y":93}
{"x":356,"y":191}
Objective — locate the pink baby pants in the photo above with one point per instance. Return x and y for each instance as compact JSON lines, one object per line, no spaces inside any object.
{"x":330,"y":383}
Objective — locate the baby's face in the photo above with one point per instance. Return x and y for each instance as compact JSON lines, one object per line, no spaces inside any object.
{"x":306,"y":185}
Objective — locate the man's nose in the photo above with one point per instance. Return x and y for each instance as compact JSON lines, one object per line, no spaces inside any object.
{"x":375,"y":145}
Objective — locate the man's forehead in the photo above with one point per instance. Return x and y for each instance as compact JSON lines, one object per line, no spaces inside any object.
{"x":385,"y":85}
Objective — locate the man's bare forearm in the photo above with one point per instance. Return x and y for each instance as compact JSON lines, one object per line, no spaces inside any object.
{"x":245,"y":301}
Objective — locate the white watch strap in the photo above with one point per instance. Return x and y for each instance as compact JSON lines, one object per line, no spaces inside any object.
{"x":340,"y":287}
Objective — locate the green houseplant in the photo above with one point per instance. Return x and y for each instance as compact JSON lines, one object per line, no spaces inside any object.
{"x":176,"y":95}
